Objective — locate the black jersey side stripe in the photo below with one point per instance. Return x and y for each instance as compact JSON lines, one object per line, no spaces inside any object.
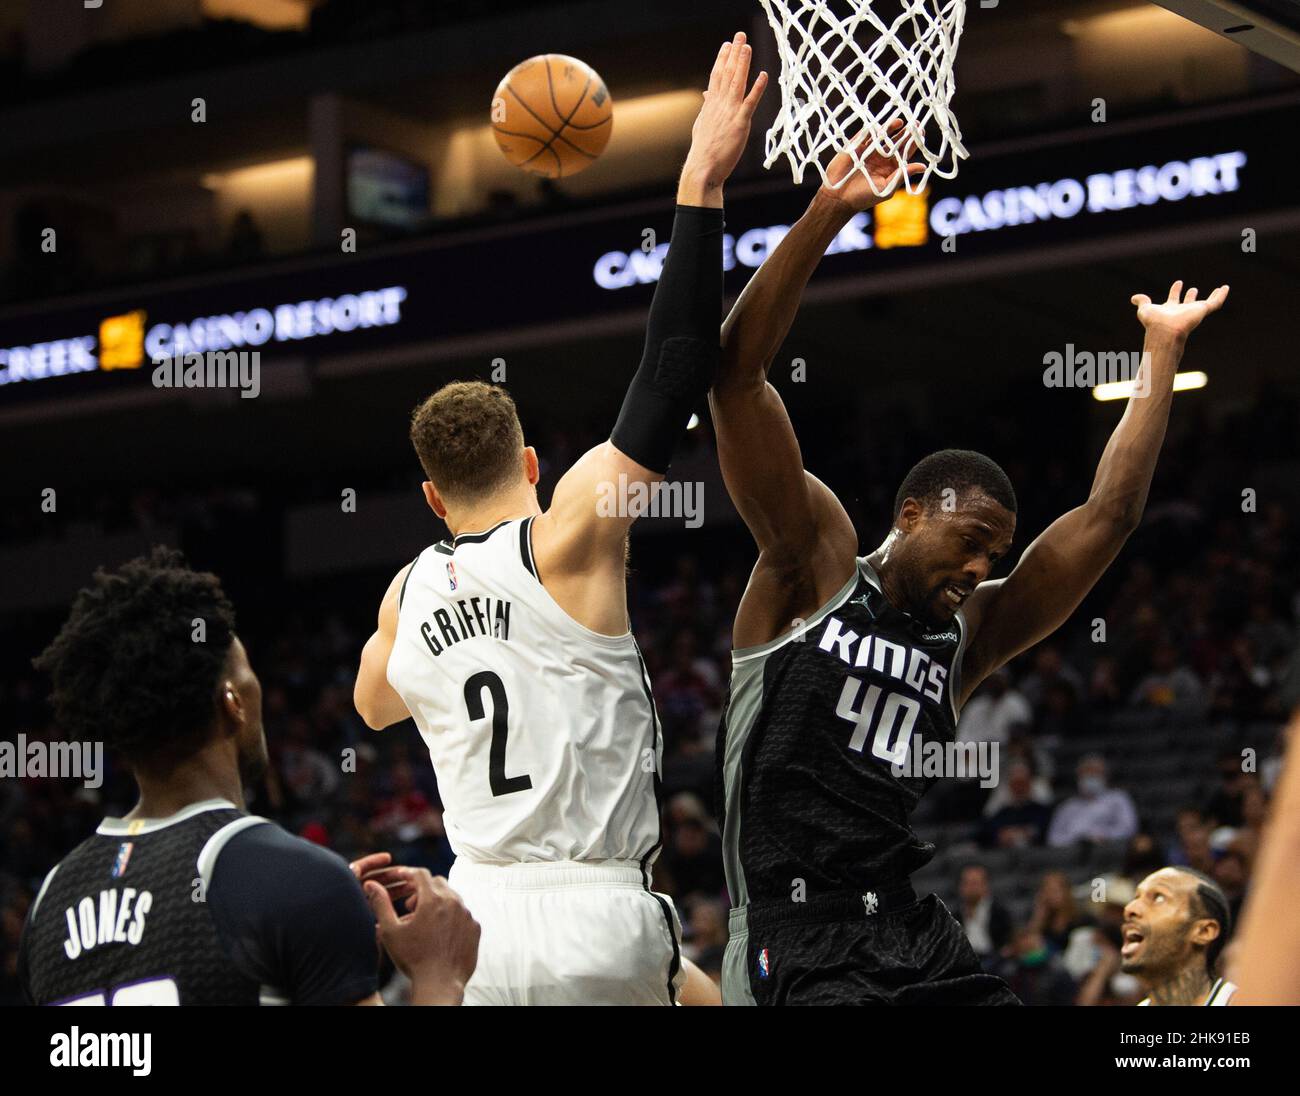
{"x":676,"y":964}
{"x":526,"y":547}
{"x":401,"y":594}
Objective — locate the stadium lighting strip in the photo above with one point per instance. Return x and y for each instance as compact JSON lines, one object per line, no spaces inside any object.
{"x":1121,"y":390}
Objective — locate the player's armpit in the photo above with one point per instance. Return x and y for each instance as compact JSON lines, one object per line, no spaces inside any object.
{"x":580,"y":543}
{"x":594,"y":505}
{"x":1009,"y":615}
{"x":376,"y":701}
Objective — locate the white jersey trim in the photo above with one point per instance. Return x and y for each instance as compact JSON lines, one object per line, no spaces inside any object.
{"x":131,"y":827}
{"x":41,"y":893}
{"x":207,"y":860}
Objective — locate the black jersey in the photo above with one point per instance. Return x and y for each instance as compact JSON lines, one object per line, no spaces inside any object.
{"x":209,"y":906}
{"x":819,"y":748}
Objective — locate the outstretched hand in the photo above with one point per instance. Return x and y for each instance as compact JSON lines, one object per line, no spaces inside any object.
{"x":435,"y":944}
{"x":1179,"y":316}
{"x":884,"y":170}
{"x":722,"y":128}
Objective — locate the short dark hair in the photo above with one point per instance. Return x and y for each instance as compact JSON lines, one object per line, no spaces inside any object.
{"x":959,"y":469}
{"x":468,"y":438}
{"x":1212,"y":904}
{"x":125,"y":666}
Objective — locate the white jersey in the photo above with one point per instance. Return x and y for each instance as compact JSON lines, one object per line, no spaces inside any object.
{"x":543,"y":733}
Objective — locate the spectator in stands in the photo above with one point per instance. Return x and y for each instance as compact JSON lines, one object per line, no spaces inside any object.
{"x":1170,"y":685}
{"x":1059,"y":716}
{"x":1240,"y":687}
{"x":1093,"y":956}
{"x":1056,"y":914}
{"x":1187,"y":824}
{"x":1049,"y":669}
{"x":1036,"y":974}
{"x":1141,"y":858}
{"x":1022,"y":820}
{"x":1097,"y":812}
{"x":994,"y":712}
{"x":986,"y":921}
{"x":705,"y":931}
{"x":692,"y":856}
{"x":688,"y":694}
{"x":1224,"y":805}
{"x":1268,"y":633}
{"x":1232,"y":873}
{"x":1104,"y":692}
{"x":1023,"y":750}
{"x":409,"y":822}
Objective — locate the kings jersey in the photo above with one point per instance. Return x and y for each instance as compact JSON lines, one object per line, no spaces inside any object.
{"x":816,"y":753}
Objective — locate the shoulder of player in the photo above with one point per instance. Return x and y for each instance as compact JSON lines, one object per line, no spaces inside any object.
{"x":782,"y":596}
{"x":397,"y":588}
{"x":253,"y":863}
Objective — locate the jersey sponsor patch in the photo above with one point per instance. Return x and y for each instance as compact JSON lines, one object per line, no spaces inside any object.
{"x":123,"y":856}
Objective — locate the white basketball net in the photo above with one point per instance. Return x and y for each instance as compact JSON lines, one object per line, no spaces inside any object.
{"x":846,"y":76}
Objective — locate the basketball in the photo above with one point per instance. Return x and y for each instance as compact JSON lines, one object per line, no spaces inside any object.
{"x":552,"y":115}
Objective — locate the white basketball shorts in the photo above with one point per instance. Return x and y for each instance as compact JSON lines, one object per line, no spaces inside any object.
{"x":570,"y":933}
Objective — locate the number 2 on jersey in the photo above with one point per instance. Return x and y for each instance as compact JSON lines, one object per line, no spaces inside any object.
{"x":485,"y":679}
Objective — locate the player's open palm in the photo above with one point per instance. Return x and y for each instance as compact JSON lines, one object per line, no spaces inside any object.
{"x":1179,"y":315}
{"x":861,"y":192}
{"x":722,"y":128}
{"x":435,"y":944}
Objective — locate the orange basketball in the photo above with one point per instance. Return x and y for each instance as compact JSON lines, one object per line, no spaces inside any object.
{"x":552,"y":115}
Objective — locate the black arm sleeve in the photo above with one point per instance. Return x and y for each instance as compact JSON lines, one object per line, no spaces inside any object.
{"x":291,"y":915}
{"x":682,"y":346}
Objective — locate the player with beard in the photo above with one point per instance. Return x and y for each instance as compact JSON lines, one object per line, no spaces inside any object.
{"x":845,"y":665}
{"x":187,"y":900}
{"x":1174,"y":930}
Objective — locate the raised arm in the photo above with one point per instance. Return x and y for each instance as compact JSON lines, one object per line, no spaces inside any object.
{"x":806,"y":541}
{"x":582,"y":536}
{"x":1057,"y":570}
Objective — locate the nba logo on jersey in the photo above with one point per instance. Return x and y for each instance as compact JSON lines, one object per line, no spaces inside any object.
{"x":123,"y":855}
{"x":764,"y":965}
{"x":451,"y":575}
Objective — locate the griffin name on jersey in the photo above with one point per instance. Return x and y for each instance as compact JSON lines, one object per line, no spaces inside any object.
{"x":542,"y":732}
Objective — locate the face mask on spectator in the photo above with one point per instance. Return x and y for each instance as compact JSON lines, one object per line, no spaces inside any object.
{"x":1035,"y":958}
{"x":1091,"y":785}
